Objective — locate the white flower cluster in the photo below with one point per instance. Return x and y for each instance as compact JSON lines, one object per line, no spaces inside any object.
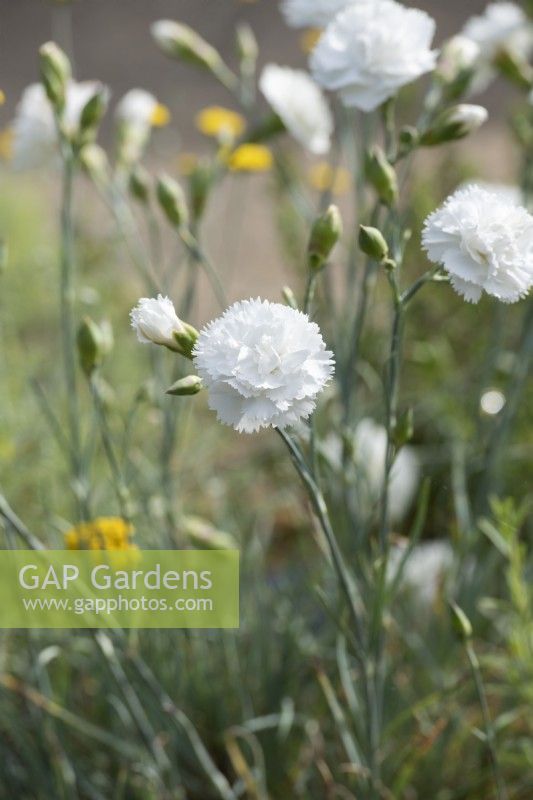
{"x":263,"y":365}
{"x":371,"y":49}
{"x":300,"y":105}
{"x":484,"y":240}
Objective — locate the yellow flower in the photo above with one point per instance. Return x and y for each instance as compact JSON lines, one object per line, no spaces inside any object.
{"x":160,"y":116}
{"x":223,"y":123}
{"x":2,"y":98}
{"x":250,"y":158}
{"x":102,"y":533}
{"x":309,"y":39}
{"x":324,"y":178}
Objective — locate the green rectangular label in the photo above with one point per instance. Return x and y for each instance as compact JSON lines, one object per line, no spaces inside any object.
{"x":119,"y":589}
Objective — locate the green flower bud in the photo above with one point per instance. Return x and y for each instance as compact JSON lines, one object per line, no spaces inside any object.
{"x":55,"y":74}
{"x":180,"y":41}
{"x":325,"y":233}
{"x":90,"y":346}
{"x":381,"y":175}
{"x":247,"y":48}
{"x":454,"y":123}
{"x":373,"y":243}
{"x":184,"y":387}
{"x":92,"y":113}
{"x":200,"y":182}
{"x":172,"y":200}
{"x":461,"y":623}
{"x":139,"y":184}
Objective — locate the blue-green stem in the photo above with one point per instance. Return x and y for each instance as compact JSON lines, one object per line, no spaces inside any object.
{"x":68,"y":340}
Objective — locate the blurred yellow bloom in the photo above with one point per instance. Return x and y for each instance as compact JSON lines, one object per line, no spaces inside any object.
{"x":6,"y":144}
{"x":187,"y":163}
{"x":250,"y":158}
{"x":2,"y":98}
{"x":220,"y":122}
{"x":102,"y":533}
{"x":324,"y":178}
{"x":309,"y":38}
{"x":160,"y":116}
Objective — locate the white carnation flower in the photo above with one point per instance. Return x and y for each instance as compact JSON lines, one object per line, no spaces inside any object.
{"x":263,"y":365}
{"x":484,"y":242}
{"x":370,"y":444}
{"x":503,"y":26}
{"x":34,"y":128}
{"x":301,"y":106}
{"x":312,"y":13}
{"x":372,"y":49}
{"x":155,"y":321}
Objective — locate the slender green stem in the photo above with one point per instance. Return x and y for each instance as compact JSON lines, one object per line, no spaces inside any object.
{"x":319,"y":506}
{"x":68,"y":341}
{"x":501,"y":791}
{"x":109,"y":449}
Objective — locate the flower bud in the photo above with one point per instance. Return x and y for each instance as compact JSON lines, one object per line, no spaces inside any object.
{"x":180,"y":41}
{"x":172,"y":200}
{"x":90,"y":346}
{"x":454,"y":123}
{"x":55,"y":74}
{"x":184,"y":387}
{"x":139,"y":184}
{"x":515,"y":68}
{"x":382,"y":176}
{"x":325,"y":233}
{"x":92,"y":113}
{"x":247,"y":48}
{"x":460,"y":622}
{"x":155,"y":321}
{"x":200,"y":182}
{"x":372,"y":243}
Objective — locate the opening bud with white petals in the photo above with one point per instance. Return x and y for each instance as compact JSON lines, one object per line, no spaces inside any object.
{"x":155,"y":321}
{"x":454,"y":123}
{"x":180,"y":41}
